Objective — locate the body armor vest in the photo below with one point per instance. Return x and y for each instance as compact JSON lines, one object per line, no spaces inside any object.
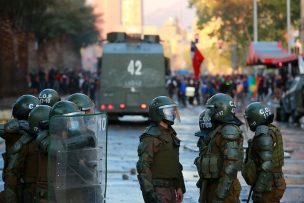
{"x":166,"y":161}
{"x":277,"y":153}
{"x":209,"y":162}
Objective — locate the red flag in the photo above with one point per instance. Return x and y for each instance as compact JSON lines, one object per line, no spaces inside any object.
{"x":197,"y":59}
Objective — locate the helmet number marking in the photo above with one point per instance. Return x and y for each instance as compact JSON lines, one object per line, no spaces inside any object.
{"x":220,"y":113}
{"x":265,"y":112}
{"x":36,"y":129}
{"x":232,"y":104}
{"x":45,"y":98}
{"x":31,"y":106}
{"x":135,"y":67}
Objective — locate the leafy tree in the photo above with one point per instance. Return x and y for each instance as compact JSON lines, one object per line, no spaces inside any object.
{"x":46,"y":20}
{"x":237,"y":20}
{"x":67,"y":18}
{"x":272,"y":16}
{"x":50,"y":19}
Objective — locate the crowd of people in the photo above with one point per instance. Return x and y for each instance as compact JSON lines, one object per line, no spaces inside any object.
{"x":184,"y":89}
{"x":64,"y":81}
{"x":188,"y":91}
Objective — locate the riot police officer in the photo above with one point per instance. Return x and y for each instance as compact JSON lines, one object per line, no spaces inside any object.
{"x":159,"y":170}
{"x":205,"y":126}
{"x":48,"y":97}
{"x":38,"y":121}
{"x":71,"y":144}
{"x":265,"y":159}
{"x":83,"y":102}
{"x":221,"y":152}
{"x":43,"y":140}
{"x":18,"y":141}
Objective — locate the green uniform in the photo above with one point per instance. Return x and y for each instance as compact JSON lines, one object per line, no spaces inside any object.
{"x":9,"y":178}
{"x":219,"y":161}
{"x":42,"y":179}
{"x":268,"y":155}
{"x":159,"y":169}
{"x":20,"y":166}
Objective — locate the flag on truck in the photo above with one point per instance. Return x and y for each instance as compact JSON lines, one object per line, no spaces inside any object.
{"x":197,"y":59}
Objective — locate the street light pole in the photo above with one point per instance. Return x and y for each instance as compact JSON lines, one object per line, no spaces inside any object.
{"x":255,"y":21}
{"x":288,"y":24}
{"x":142,"y":18}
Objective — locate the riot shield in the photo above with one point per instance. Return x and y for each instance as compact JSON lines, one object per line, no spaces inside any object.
{"x":77,"y":158}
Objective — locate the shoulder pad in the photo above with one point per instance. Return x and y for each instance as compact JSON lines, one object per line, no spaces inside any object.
{"x":230,"y":132}
{"x":265,"y":142}
{"x":12,"y":126}
{"x":261,"y":129}
{"x":152,"y":130}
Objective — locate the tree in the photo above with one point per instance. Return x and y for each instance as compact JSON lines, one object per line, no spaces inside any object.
{"x":70,"y":21}
{"x":66,"y":18}
{"x":13,"y":40}
{"x":272,"y":19}
{"x":237,"y":20}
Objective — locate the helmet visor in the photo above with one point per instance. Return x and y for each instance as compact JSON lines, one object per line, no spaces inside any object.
{"x":43,"y":125}
{"x":210,"y":109}
{"x":89,"y":110}
{"x":74,"y":113}
{"x":171,"y":113}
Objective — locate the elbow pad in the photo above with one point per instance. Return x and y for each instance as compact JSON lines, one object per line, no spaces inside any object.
{"x":267,"y":166}
{"x":12,"y":126}
{"x":145,"y":184}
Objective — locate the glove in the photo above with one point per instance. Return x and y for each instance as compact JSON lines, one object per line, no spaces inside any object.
{"x":43,"y":140}
{"x":25,"y":128}
{"x":256,"y":196}
{"x":24,"y":125}
{"x":151,"y":197}
{"x":12,"y":126}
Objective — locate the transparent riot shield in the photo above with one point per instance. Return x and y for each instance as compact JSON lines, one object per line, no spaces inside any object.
{"x":77,"y":158}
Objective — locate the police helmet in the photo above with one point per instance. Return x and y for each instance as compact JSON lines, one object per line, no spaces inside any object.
{"x":39,"y":117}
{"x":257,"y":114}
{"x":83,"y":102}
{"x":221,"y":108}
{"x":49,"y":97}
{"x":24,"y":105}
{"x":162,"y":108}
{"x":64,"y":108}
